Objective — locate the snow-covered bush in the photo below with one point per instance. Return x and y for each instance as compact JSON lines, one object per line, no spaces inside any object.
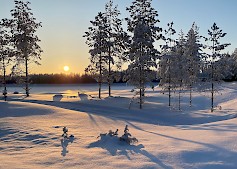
{"x":65,"y":134}
{"x":110,"y":133}
{"x":127,"y":137}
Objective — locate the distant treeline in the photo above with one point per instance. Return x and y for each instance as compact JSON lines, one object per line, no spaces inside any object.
{"x":59,"y":78}
{"x":53,"y":79}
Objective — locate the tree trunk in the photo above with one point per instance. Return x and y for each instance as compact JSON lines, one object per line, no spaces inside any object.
{"x":99,"y":90}
{"x":100,"y":77}
{"x":169,"y":87}
{"x":212,"y":78}
{"x":212,"y":88}
{"x":4,"y":81}
{"x":140,"y":83}
{"x":140,"y":80}
{"x":190,"y":95}
{"x":212,"y":96}
{"x":180,"y":96}
{"x":27,"y":78}
{"x":109,"y":77}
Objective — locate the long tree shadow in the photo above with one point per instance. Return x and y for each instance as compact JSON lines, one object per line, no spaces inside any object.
{"x":19,"y":110}
{"x":64,"y":144}
{"x":155,"y":115}
{"x":210,"y":159}
{"x":212,"y":156}
{"x":116,"y":147}
{"x":228,"y":127}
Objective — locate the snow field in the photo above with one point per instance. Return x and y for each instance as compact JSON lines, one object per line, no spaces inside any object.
{"x":31,"y":129}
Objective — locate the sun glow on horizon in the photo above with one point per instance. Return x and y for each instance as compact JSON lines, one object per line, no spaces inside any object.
{"x":66,"y":68}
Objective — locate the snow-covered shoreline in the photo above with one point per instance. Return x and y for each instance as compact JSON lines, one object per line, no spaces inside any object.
{"x":31,"y":129}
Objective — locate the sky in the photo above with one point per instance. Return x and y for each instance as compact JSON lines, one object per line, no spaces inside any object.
{"x":64,"y":22}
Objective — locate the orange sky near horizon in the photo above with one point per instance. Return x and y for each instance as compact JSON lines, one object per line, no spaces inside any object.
{"x":64,"y":24}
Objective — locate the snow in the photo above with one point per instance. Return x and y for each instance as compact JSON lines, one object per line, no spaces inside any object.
{"x":31,"y":131}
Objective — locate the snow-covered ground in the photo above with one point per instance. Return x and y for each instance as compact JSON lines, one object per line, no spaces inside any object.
{"x":31,"y":129}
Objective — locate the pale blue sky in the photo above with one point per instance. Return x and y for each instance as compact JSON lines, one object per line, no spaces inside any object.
{"x":65,"y":21}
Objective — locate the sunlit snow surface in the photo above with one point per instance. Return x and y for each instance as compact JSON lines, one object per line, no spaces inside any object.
{"x":31,"y":130}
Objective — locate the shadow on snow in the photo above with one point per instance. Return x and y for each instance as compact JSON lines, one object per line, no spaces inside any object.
{"x":117,"y":148}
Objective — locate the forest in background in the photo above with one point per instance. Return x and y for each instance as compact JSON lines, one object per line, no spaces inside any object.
{"x":61,"y":78}
{"x":52,"y":79}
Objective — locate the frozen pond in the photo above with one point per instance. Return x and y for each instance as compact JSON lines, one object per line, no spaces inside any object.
{"x":63,"y":88}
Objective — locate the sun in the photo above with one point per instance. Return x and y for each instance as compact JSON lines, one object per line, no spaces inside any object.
{"x":66,"y":68}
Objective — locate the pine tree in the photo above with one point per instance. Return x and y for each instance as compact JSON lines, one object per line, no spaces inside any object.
{"x":215,"y":71}
{"x":231,"y":66}
{"x":116,"y":42}
{"x":96,"y":39}
{"x":107,"y":41}
{"x":193,"y":58}
{"x":6,"y":51}
{"x":178,"y":68}
{"x":167,"y":61}
{"x":142,"y":54}
{"x":234,"y":66}
{"x":24,"y":27}
{"x":172,"y":64}
{"x":228,"y":66}
{"x":142,"y":10}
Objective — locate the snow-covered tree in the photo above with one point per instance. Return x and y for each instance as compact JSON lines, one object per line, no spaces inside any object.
{"x":96,"y":39}
{"x":142,"y":10}
{"x":116,"y":41}
{"x":24,"y":27}
{"x":142,"y":54}
{"x":107,"y":41}
{"x":179,"y":66}
{"x":227,"y":65}
{"x":167,"y":61}
{"x":233,"y":60}
{"x":6,"y":51}
{"x":142,"y":57}
{"x":193,"y":58}
{"x":231,"y":66}
{"x":215,"y":68}
{"x":173,"y":64}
